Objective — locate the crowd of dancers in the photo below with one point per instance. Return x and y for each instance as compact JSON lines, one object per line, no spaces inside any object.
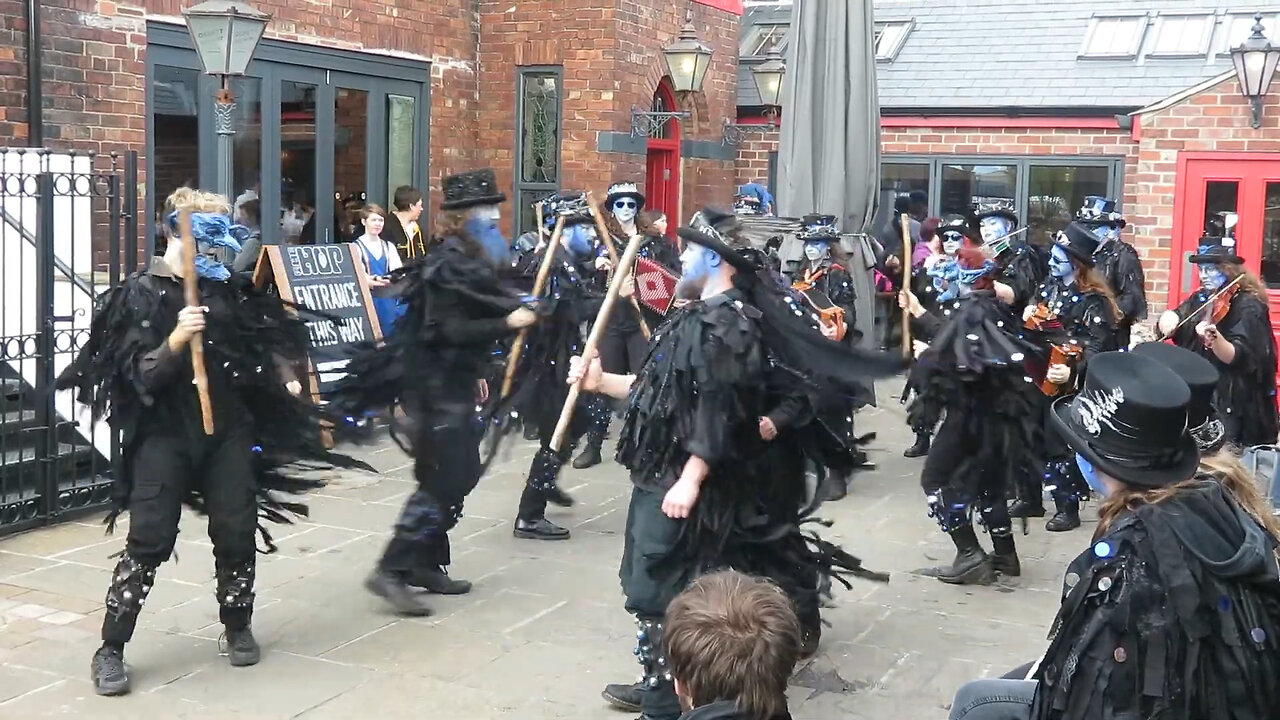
{"x":737,"y":386}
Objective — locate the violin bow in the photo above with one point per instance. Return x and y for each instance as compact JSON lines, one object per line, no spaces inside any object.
{"x":1207,"y":303}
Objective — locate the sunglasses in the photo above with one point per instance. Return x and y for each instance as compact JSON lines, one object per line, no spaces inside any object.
{"x":627,"y":204}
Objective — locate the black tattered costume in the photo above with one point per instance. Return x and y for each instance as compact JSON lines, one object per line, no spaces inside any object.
{"x":713,"y":370}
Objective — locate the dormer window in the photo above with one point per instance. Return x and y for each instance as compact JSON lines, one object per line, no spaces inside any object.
{"x":1114,"y":37}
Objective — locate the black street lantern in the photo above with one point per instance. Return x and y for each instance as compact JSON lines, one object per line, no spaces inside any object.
{"x":226,"y":33}
{"x":1255,"y":61}
{"x":768,"y":76}
{"x":687,"y":59}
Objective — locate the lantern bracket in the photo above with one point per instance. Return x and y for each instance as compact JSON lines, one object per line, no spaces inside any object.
{"x":647,"y":124}
{"x":735,"y":133}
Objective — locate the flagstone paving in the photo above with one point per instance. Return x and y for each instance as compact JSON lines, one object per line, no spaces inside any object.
{"x":540,"y":635}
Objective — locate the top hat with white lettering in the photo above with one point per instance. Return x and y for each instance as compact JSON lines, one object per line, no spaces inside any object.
{"x":1130,"y":421}
{"x":814,"y":228}
{"x":1098,"y":211}
{"x":1202,"y":377}
{"x":470,"y":189}
{"x":985,"y":209}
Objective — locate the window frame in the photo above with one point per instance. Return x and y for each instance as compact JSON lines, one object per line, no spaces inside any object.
{"x":517,"y":185}
{"x":888,"y":55}
{"x":1144,"y":24}
{"x":1022,"y":164}
{"x":757,"y":36}
{"x":1206,"y":34}
{"x":1221,"y":44}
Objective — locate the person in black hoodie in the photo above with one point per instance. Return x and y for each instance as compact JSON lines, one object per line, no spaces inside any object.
{"x":732,"y":642}
{"x":1173,"y":611}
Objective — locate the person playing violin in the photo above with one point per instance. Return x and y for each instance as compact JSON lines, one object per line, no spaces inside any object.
{"x":1234,"y":333}
{"x":1077,"y":313}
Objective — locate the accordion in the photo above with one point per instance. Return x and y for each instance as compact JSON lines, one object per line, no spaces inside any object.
{"x":655,"y":285}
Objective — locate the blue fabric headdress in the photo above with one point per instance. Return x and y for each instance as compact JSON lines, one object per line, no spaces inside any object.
{"x":211,"y":230}
{"x":948,"y":277}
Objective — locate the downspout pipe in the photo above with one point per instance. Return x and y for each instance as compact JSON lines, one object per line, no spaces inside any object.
{"x":35,"y":75}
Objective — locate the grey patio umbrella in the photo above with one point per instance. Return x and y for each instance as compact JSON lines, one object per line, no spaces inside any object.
{"x":829,"y":156}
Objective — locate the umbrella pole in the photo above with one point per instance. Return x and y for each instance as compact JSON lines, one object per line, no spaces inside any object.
{"x":906,"y":284}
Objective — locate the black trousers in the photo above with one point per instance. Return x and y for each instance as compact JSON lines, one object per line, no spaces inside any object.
{"x":533,"y":500}
{"x":953,"y":501}
{"x":620,"y":353}
{"x":165,"y":471}
{"x":447,"y":469}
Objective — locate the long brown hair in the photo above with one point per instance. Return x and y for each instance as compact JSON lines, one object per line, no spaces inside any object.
{"x":643,"y":227}
{"x":1222,"y":466}
{"x":1088,"y":280}
{"x":1248,"y":281}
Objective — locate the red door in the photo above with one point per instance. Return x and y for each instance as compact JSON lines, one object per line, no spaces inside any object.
{"x":662,"y":176}
{"x":1247,"y":184}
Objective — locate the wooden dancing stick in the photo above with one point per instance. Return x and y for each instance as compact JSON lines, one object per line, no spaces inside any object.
{"x":906,"y":284}
{"x":607,"y":238}
{"x":539,"y":283}
{"x":191,"y":291}
{"x":602,"y":317}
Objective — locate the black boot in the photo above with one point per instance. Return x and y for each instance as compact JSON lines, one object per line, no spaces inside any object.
{"x":972,"y":566}
{"x":1067,"y":517}
{"x":436,"y":580}
{"x":1005,"y":558}
{"x":543,"y":473}
{"x":108,"y":673}
{"x":920,"y":449}
{"x":659,"y":701}
{"x":242,"y":648}
{"x":590,"y":455}
{"x":540,"y":529}
{"x":394,"y":590}
{"x":623,"y":696}
{"x":1025,"y":508}
{"x":530,"y":431}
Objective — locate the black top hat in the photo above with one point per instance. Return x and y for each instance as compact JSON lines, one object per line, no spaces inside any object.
{"x":621,"y":190}
{"x":570,"y":204}
{"x":1098,"y":211}
{"x":1217,"y":250}
{"x":1078,"y":241}
{"x":983,"y":210}
{"x":1202,"y":378}
{"x":469,"y":189}
{"x":711,"y":228}
{"x":818,"y":227}
{"x":1130,"y":421}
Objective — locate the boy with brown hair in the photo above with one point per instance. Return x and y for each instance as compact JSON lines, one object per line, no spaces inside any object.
{"x":732,"y":643}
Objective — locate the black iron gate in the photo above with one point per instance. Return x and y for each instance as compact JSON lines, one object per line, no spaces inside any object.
{"x":68,"y":232}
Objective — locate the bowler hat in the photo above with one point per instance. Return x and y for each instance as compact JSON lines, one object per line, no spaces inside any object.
{"x":712,"y":228}
{"x":470,"y":189}
{"x":617,"y":191}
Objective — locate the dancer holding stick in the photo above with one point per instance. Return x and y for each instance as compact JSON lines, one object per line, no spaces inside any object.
{"x":221,"y":451}
{"x":539,"y":284}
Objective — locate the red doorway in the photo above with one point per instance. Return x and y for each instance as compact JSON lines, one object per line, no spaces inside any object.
{"x":662,"y":175}
{"x":1247,"y":184}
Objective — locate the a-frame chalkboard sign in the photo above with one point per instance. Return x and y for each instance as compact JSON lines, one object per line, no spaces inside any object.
{"x":331,"y":280}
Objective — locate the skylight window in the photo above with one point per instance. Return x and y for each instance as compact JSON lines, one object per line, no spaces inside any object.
{"x":762,"y":39}
{"x":1182,"y":35}
{"x":889,"y":37}
{"x":1114,"y":37}
{"x":1237,"y":28}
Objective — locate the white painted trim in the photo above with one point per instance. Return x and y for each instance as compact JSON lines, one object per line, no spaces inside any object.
{"x":1183,"y":95}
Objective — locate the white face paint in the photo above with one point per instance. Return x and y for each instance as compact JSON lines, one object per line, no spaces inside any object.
{"x":624,"y":209}
{"x":950,"y":247}
{"x":994,"y":228}
{"x":814,"y":251}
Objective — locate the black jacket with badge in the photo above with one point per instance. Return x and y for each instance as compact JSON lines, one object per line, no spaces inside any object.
{"x":1246,"y":397}
{"x":1023,"y":270}
{"x":1118,"y":263}
{"x":1173,"y":613}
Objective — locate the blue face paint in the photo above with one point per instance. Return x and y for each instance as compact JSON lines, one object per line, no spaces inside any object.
{"x":698,"y":262}
{"x":1211,"y":277}
{"x":1091,"y":475}
{"x":579,"y":239}
{"x":1060,"y":263}
{"x":484,"y":230}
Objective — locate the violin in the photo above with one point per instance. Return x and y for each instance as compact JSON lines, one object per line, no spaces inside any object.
{"x":1219,"y":304}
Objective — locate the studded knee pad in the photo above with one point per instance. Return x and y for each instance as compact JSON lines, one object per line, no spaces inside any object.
{"x":131,"y":582}
{"x":949,"y":510}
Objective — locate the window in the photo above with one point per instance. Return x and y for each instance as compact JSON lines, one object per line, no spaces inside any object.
{"x":401,"y":121}
{"x":1237,"y":28}
{"x":175,"y":136}
{"x":537,"y":141}
{"x":1114,"y":37}
{"x":904,"y":178}
{"x":764,"y":38}
{"x":1056,"y":192}
{"x":889,"y":38}
{"x":964,"y":185}
{"x":1182,"y":35}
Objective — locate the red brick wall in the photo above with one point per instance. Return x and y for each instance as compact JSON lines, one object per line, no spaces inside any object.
{"x":610,"y":52}
{"x":1215,"y":120}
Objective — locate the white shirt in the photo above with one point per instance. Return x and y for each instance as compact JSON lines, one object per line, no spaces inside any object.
{"x":376,"y":247}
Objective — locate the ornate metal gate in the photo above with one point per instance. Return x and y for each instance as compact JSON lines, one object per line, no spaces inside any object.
{"x":68,"y":232}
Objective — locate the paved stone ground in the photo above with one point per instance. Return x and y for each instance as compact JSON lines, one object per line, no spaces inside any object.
{"x":540,"y":635}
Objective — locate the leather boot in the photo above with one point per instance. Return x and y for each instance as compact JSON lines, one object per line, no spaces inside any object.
{"x":1005,"y":558}
{"x":624,"y":696}
{"x":108,"y":673}
{"x":972,"y":565}
{"x":590,"y":455}
{"x":543,"y":474}
{"x":1067,"y":517}
{"x":920,"y":449}
{"x":1025,"y":508}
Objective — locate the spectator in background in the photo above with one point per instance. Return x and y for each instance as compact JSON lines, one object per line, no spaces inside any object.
{"x":380,"y":260}
{"x":250,"y":217}
{"x":732,"y":642}
{"x":402,"y":227}
{"x":919,"y":205}
{"x":930,"y":243}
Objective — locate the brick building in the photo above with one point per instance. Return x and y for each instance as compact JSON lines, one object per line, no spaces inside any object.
{"x":1040,"y":105}
{"x":358,"y":97}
